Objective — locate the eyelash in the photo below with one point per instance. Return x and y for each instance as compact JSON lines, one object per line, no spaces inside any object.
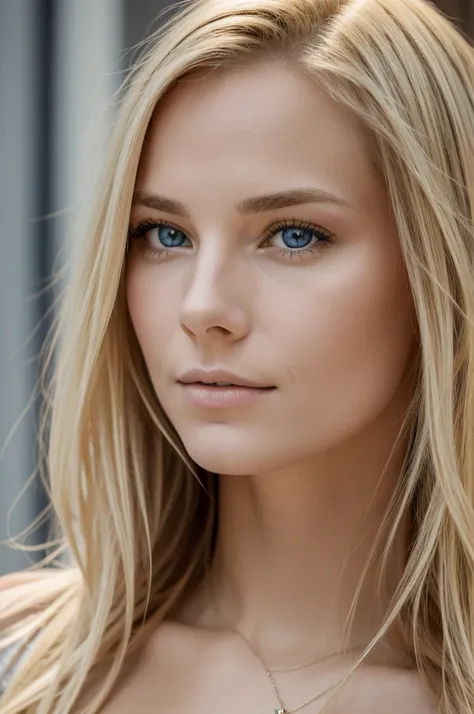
{"x":323,"y":235}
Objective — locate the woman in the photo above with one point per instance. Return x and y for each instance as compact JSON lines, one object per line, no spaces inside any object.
{"x":261,"y":453}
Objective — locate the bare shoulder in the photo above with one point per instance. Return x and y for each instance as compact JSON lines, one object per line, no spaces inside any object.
{"x":24,"y":577}
{"x":165,"y":668}
{"x":188,"y":669}
{"x":391,"y":690}
{"x":12,"y":579}
{"x":21,"y":596}
{"x":13,"y":612}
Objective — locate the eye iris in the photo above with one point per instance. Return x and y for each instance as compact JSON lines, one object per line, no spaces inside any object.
{"x":296,"y":237}
{"x":170,"y":237}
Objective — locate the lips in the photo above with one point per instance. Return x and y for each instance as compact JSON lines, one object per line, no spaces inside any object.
{"x":229,"y":395}
{"x":220,"y":379}
{"x":221,"y":384}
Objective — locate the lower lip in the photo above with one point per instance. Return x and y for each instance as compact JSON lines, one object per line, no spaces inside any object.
{"x":222,"y":397}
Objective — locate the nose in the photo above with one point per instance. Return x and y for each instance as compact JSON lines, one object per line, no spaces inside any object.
{"x":215,"y":306}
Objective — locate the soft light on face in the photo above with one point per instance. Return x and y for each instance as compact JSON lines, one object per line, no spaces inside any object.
{"x":310,"y":298}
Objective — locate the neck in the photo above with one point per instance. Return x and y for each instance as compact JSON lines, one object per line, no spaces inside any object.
{"x":293,"y":546}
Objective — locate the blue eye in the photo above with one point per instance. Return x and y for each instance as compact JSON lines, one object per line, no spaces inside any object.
{"x":170,"y":237}
{"x":295,"y":237}
{"x":159,"y":237}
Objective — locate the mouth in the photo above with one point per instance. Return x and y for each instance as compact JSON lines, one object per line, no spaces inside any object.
{"x":221,"y":390}
{"x":223,"y":385}
{"x":220,"y":379}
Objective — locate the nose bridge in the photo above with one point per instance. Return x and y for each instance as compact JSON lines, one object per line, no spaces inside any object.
{"x":210,"y":276}
{"x":214,"y":295}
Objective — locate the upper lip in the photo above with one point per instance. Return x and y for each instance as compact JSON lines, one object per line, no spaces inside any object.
{"x":218,"y":375}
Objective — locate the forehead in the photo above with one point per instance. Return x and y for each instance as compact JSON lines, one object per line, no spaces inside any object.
{"x":263,"y":123}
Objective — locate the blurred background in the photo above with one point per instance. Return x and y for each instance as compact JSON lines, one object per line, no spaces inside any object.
{"x":61,"y":62}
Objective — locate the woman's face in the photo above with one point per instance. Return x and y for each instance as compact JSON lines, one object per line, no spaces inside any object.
{"x":269,"y":252}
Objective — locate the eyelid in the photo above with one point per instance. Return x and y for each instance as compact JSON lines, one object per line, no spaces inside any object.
{"x":148,"y":224}
{"x":276,"y":226}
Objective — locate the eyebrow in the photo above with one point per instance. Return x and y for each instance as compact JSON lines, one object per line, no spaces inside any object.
{"x":257,"y":204}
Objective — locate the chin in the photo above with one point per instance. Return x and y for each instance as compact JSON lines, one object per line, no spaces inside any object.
{"x":231,"y":453}
{"x":221,"y":464}
{"x":225,"y":461}
{"x":220,"y":450}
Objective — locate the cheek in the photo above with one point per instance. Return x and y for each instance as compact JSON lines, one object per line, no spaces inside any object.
{"x":351,"y":350}
{"x":151,"y":319}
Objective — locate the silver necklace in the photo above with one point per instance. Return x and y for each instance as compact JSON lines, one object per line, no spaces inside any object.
{"x":269,"y":672}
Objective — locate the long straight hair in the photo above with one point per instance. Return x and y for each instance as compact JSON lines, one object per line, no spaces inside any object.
{"x":137,"y":517}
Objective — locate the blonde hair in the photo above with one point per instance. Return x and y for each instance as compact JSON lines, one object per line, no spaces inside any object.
{"x":137,"y":517}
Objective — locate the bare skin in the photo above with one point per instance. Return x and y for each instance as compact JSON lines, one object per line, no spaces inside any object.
{"x":330,"y":327}
{"x":186,"y":670}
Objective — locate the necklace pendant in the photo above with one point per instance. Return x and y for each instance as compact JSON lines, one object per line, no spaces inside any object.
{"x":280,"y":711}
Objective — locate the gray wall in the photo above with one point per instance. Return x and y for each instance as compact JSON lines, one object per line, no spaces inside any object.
{"x":60,"y":64}
{"x":22,"y":251}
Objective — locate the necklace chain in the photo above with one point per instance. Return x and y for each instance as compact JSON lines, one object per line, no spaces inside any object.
{"x":282,"y":709}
